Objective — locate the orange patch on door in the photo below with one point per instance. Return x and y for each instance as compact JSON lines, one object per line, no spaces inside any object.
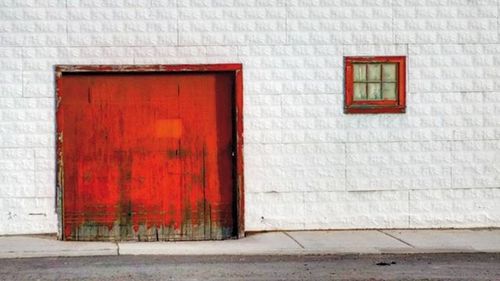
{"x":168,"y":128}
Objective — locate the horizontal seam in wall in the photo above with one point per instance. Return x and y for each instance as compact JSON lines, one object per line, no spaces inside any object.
{"x":454,"y":92}
{"x":255,"y":45}
{"x":29,"y":147}
{"x":422,"y":189}
{"x":27,"y":197}
{"x":337,"y":93}
{"x":362,"y":142}
{"x":370,"y":191}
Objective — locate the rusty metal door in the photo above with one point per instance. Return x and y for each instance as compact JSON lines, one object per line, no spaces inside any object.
{"x":147,"y":156}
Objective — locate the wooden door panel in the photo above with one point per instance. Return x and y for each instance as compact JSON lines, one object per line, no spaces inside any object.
{"x":148,"y":156}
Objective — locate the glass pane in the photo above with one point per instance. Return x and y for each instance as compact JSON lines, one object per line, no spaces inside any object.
{"x":359,"y":72}
{"x":359,"y":91}
{"x":374,"y":72}
{"x":389,"y":72}
{"x":389,"y":91}
{"x":374,"y":91}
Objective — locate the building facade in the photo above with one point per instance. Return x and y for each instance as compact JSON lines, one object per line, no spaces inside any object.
{"x":307,"y":164}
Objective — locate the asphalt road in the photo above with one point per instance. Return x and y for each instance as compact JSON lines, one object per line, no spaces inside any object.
{"x":346,"y":267}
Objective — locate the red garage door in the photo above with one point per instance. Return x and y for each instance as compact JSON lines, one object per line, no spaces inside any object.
{"x":147,"y":155}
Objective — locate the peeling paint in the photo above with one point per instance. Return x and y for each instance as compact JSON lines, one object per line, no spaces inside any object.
{"x":138,"y":215}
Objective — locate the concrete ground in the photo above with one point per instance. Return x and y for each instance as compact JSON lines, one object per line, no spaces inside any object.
{"x":271,"y":243}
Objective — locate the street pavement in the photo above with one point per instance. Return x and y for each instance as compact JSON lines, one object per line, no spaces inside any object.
{"x":457,"y":266}
{"x":270,"y":243}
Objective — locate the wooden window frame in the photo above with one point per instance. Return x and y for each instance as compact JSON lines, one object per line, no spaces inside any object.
{"x":352,"y":106}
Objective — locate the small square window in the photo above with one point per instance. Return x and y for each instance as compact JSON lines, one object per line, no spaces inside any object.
{"x":375,"y":85}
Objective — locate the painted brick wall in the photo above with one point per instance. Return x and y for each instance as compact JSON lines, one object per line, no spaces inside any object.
{"x":308,"y":166}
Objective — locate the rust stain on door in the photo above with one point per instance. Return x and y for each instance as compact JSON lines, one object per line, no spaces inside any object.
{"x":147,"y":156}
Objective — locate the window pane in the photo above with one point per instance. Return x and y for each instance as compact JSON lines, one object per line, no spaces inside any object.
{"x":374,"y":91}
{"x":359,"y":72}
{"x":389,"y":72}
{"x":389,"y":91}
{"x":359,"y":91}
{"x":374,"y":72}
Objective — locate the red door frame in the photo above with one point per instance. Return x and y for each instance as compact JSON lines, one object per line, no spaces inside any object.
{"x":237,"y":69}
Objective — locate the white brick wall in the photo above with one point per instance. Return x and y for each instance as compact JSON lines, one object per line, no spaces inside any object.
{"x":307,"y":165}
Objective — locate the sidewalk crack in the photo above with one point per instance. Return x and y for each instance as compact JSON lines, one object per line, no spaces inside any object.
{"x":295,"y":240}
{"x":399,"y":239}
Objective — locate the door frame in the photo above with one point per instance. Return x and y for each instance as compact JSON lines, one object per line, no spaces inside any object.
{"x":236,"y":69}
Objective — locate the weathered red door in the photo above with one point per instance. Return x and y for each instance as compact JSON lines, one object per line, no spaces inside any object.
{"x":147,"y":156}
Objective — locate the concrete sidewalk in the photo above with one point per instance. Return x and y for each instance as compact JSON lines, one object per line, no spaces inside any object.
{"x":271,"y":243}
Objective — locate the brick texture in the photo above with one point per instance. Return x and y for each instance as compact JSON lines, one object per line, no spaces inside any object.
{"x":307,"y":164}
